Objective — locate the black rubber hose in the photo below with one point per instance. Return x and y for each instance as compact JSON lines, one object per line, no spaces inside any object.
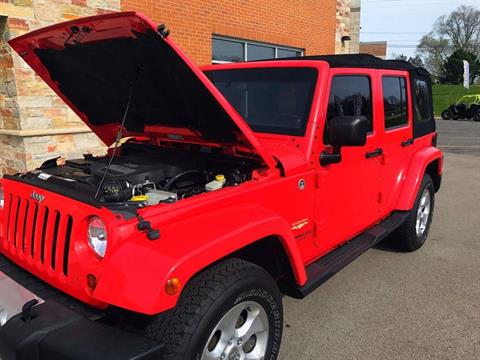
{"x":177,"y":177}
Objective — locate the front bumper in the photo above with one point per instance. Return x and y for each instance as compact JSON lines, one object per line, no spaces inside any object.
{"x":58,"y":330}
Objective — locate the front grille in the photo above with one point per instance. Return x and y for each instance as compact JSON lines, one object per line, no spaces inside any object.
{"x":38,"y":233}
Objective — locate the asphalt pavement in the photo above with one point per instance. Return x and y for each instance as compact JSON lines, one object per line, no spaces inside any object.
{"x":393,"y":305}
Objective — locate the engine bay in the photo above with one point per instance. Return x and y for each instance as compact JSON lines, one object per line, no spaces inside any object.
{"x":143,"y":175}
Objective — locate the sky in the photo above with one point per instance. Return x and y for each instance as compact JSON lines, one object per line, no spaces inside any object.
{"x":402,"y":23}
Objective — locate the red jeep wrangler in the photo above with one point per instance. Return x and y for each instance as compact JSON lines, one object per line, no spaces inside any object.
{"x":225,"y":188}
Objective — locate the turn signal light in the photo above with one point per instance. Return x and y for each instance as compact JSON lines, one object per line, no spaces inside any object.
{"x":173,"y":286}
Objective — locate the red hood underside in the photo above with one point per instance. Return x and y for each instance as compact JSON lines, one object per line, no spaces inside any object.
{"x":95,"y":63}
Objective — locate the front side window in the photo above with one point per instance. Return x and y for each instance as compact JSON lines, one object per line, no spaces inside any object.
{"x":350,"y":95}
{"x":271,"y":100}
{"x":395,"y":101}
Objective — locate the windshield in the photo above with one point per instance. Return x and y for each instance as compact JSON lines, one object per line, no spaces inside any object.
{"x":271,"y":100}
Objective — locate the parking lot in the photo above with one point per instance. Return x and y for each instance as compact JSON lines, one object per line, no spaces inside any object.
{"x":391,"y":305}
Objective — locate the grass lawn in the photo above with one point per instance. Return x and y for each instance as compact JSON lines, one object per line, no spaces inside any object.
{"x":446,"y":95}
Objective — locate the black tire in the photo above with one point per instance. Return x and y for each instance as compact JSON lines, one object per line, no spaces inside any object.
{"x":406,"y":237}
{"x":476,"y":117}
{"x":446,"y":115}
{"x":187,"y":329}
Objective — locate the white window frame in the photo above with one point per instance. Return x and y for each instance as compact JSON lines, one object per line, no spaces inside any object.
{"x":245,"y":43}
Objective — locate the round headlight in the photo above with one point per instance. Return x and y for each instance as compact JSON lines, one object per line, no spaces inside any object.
{"x":97,"y":236}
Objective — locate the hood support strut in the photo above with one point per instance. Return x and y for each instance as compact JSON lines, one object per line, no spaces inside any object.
{"x":118,"y":138}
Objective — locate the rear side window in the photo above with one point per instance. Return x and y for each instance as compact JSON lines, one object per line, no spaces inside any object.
{"x":422,"y":101}
{"x":351,"y":95}
{"x":395,"y":101}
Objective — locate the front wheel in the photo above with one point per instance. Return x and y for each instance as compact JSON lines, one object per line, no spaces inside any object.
{"x":232,"y":311}
{"x":411,"y":235}
{"x":446,"y":115}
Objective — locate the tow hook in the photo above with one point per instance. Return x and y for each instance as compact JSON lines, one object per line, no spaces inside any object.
{"x":27,"y":313}
{"x":143,"y":225}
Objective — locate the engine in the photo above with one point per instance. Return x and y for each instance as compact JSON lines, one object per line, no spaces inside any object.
{"x":144,"y":175}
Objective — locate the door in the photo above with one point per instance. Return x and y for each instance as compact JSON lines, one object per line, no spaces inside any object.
{"x":347,"y":192}
{"x":396,"y":135}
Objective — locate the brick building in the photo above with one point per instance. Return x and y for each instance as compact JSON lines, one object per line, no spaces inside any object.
{"x":377,"y":48}
{"x":35,"y":125}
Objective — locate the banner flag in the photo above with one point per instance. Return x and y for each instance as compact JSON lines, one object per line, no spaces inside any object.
{"x":466,"y":74}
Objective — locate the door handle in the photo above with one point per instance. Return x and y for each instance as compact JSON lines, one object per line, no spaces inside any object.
{"x":374,"y":153}
{"x":407,"y":142}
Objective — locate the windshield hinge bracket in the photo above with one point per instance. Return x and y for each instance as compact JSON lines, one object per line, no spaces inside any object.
{"x":143,"y":225}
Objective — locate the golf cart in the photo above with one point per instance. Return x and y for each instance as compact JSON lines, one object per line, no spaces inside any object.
{"x":468,"y":107}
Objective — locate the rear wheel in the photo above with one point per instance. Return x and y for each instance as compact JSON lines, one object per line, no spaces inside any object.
{"x":232,"y":311}
{"x":411,"y":235}
{"x":446,"y":115}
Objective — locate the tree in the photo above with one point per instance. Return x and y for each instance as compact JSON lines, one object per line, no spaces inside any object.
{"x":462,"y":28}
{"x":400,"y":57}
{"x":458,"y":31}
{"x":454,"y":69}
{"x":434,"y":52}
{"x":415,"y":61}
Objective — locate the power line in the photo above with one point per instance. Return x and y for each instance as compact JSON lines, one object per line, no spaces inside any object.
{"x":437,"y":2}
{"x":393,"y":33}
{"x":390,"y":1}
{"x":408,"y":46}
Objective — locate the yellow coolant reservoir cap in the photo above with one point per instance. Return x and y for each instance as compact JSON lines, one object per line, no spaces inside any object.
{"x":220,"y":177}
{"x":139,"y":198}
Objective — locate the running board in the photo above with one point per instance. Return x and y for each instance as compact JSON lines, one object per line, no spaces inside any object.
{"x":327,"y":266}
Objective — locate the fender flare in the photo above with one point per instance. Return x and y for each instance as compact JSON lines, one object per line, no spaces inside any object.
{"x":414,"y":176}
{"x":140,"y":285}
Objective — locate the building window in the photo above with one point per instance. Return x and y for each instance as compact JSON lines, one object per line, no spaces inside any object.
{"x":395,"y":101}
{"x":225,"y":50}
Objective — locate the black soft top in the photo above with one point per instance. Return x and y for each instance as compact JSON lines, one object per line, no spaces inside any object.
{"x":358,"y":61}
{"x":423,"y":124}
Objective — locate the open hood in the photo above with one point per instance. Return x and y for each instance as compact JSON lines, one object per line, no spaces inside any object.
{"x":94,"y":64}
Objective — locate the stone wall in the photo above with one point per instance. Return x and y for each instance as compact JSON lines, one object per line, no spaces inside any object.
{"x":35,"y":124}
{"x":347,"y":24}
{"x":11,"y":147}
{"x":355,"y":12}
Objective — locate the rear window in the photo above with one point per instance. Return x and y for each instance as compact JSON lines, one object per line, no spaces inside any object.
{"x":274,"y":100}
{"x":422,"y":102}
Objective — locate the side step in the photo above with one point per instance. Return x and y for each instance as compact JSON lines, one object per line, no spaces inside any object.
{"x":327,"y":266}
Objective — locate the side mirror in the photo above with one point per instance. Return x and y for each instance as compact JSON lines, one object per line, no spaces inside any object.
{"x":344,"y":131}
{"x":348,"y":131}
